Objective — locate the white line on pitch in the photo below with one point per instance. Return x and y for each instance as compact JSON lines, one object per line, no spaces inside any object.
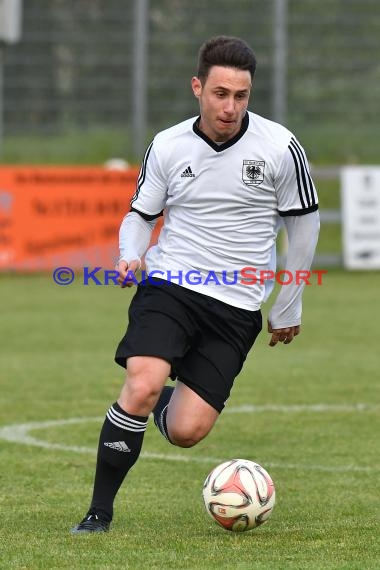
{"x":317,"y":408}
{"x":19,"y":433}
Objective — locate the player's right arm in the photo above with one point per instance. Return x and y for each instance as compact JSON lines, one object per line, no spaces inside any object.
{"x":134,"y":238}
{"x":147,"y":206}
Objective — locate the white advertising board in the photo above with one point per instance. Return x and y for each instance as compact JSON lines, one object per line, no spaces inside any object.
{"x":10,"y":20}
{"x":360,"y":193}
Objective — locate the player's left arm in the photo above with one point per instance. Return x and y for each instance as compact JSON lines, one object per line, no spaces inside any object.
{"x":285,"y":316}
{"x":298,"y":206}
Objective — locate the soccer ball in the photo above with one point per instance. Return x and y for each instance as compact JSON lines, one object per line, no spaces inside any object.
{"x":239,"y":495}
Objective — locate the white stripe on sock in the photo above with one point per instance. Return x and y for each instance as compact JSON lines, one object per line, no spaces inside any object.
{"x":124,"y":418}
{"x":161,"y":423}
{"x":125,"y":423}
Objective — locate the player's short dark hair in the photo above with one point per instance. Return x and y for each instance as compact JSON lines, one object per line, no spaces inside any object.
{"x":225,"y":51}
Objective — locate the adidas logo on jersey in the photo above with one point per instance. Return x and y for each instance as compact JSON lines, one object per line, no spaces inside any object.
{"x":188,"y":173}
{"x":118,"y":446}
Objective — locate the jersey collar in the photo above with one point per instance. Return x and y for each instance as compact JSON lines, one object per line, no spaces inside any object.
{"x":227,"y":144}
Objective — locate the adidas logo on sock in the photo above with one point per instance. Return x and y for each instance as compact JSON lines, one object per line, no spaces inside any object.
{"x":118,"y":446}
{"x":188,"y":173}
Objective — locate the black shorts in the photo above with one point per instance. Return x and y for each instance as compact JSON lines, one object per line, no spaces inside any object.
{"x":205,"y":340}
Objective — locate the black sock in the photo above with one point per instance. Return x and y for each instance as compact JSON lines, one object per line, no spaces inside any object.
{"x":120,"y":444}
{"x":161,"y":409}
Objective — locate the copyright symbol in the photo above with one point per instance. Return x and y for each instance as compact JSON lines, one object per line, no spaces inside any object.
{"x":63,"y":275}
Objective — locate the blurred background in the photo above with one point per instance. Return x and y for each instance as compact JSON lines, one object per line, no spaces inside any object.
{"x":85,"y":81}
{"x":90,"y":68}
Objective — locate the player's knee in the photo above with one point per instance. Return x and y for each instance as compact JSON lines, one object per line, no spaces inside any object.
{"x":183,"y":441}
{"x":186,"y":437}
{"x":140,"y":393}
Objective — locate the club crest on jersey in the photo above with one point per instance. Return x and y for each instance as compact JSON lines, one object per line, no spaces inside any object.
{"x":253,"y":172}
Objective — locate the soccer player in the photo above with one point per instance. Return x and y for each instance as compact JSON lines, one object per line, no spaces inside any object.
{"x":223,"y":181}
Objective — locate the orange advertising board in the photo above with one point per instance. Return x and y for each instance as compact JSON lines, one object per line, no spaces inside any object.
{"x":56,"y":216}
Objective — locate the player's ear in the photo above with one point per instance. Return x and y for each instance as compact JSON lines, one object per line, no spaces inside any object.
{"x":196,"y":86}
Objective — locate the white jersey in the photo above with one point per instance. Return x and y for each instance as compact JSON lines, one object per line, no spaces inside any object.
{"x":221,"y":204}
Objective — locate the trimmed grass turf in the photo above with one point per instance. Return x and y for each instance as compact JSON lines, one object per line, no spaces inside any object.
{"x":56,"y":363}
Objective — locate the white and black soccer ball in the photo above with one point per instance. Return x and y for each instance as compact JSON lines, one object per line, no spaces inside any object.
{"x":239,"y":495}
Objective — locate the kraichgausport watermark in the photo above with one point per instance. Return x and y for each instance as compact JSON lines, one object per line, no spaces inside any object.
{"x":247,"y":276}
{"x":63,"y":275}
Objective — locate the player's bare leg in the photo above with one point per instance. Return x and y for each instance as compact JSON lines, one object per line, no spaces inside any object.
{"x":189,"y":418}
{"x":182,"y":416}
{"x":146,"y":376}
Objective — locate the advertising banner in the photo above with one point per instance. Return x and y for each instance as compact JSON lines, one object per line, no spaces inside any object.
{"x":56,"y":216}
{"x":361,"y":216}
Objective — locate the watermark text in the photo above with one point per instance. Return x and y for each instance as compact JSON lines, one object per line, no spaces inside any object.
{"x":247,"y":276}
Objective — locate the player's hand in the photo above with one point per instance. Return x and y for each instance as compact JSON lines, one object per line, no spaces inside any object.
{"x":125,"y":270}
{"x":283,"y":335}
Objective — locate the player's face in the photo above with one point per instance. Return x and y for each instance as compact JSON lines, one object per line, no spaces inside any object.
{"x":223,"y":100}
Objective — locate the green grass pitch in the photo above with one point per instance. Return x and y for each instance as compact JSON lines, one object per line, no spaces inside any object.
{"x":315,"y":429}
